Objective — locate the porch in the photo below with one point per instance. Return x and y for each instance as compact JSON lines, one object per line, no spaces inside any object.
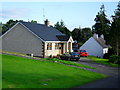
{"x":55,"y":48}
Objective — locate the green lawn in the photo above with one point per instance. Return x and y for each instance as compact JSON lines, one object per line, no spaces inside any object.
{"x":102,"y":61}
{"x":50,"y":59}
{"x":0,"y":72}
{"x":19,"y":72}
{"x":69,"y":63}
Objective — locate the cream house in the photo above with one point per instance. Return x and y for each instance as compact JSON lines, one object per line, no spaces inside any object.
{"x":37,"y":39}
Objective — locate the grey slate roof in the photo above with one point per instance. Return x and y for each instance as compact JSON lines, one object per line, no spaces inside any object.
{"x":47,"y":33}
{"x":101,"y":41}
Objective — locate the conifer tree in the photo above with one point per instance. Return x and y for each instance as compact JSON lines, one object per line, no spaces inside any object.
{"x":102,"y":25}
{"x":115,"y":30}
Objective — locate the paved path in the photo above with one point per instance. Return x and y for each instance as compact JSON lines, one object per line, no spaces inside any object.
{"x":112,"y":81}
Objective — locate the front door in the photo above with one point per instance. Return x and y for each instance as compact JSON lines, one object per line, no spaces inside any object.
{"x":69,"y":46}
{"x":61,"y":48}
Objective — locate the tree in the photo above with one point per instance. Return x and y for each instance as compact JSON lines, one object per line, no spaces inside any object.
{"x":102,"y":25}
{"x":86,"y":34}
{"x":62,"y":28}
{"x":1,"y":28}
{"x":8,"y":25}
{"x":32,"y":21}
{"x":115,"y":30}
{"x":76,"y":34}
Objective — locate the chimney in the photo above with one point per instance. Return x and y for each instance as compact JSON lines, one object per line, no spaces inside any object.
{"x":47,"y":23}
{"x":102,"y":36}
{"x":95,"y":35}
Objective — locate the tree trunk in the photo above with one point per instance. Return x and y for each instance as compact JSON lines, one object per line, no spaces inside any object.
{"x":117,"y":47}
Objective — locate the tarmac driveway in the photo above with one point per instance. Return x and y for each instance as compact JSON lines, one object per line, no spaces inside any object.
{"x":112,"y":81}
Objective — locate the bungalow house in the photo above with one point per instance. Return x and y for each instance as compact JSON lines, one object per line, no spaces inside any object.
{"x":95,"y":46}
{"x":37,"y":39}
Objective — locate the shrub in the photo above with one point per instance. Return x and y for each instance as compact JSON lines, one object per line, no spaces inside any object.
{"x":106,"y":56}
{"x":114,"y":59}
{"x":50,"y":56}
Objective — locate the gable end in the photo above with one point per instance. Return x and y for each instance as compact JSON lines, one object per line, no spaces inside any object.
{"x":31,"y":32}
{"x":24,"y":27}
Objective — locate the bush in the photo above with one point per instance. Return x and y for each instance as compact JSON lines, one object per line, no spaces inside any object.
{"x":106,"y":56}
{"x":114,"y":59}
{"x":50,"y":56}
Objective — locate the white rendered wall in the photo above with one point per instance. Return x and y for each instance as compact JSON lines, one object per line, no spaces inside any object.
{"x":52,"y":52}
{"x":92,"y":47}
{"x":105,"y":50}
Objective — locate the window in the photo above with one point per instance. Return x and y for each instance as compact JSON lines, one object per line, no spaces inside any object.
{"x":57,"y":46}
{"x":49,"y":46}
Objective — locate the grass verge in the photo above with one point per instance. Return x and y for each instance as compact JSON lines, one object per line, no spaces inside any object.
{"x":69,"y":63}
{"x":19,"y":72}
{"x":102,"y":61}
{"x":50,"y":59}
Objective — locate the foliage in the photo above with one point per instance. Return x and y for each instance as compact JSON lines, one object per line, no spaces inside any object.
{"x":106,"y":56}
{"x":76,"y":34}
{"x":110,"y":32}
{"x":102,"y":61}
{"x":18,"y":72}
{"x":1,"y":28}
{"x":115,"y":31}
{"x":62,"y":28}
{"x":114,"y":59}
{"x":86,"y":34}
{"x":69,"y":63}
{"x":8,"y":25}
{"x":32,"y":21}
{"x":81,"y":35}
{"x":102,"y":25}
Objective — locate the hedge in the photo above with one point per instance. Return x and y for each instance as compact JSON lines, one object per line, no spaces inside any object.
{"x":114,"y":59}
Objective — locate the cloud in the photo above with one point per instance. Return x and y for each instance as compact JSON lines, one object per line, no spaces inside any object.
{"x":14,"y":13}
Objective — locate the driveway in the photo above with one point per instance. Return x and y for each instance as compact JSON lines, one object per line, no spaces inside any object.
{"x":112,"y":81}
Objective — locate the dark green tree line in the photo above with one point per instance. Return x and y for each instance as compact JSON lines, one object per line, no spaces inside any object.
{"x":115,"y":31}
{"x":62,"y":28}
{"x":86,"y":34}
{"x":76,"y":34}
{"x":8,"y":25}
{"x":5,"y":27}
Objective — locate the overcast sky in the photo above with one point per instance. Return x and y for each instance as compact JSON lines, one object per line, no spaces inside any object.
{"x":74,"y":14}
